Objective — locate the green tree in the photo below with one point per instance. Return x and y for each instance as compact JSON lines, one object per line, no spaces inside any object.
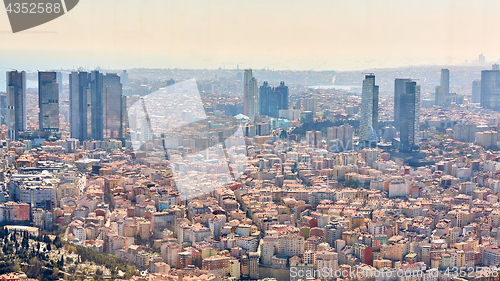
{"x":72,"y":269}
{"x":34,"y":268}
{"x":130,"y":271}
{"x":55,"y":273}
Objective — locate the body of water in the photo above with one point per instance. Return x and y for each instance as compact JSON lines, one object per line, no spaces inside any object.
{"x":337,"y":87}
{"x":3,"y":81}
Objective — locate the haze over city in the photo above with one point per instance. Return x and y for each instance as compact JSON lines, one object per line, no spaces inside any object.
{"x":165,"y":140}
{"x":320,"y":35}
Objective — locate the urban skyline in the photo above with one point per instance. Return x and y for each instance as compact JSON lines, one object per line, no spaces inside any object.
{"x":181,"y":155}
{"x":215,"y":140}
{"x":270,"y":100}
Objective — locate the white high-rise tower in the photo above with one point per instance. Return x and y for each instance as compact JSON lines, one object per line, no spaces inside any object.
{"x":253,"y":97}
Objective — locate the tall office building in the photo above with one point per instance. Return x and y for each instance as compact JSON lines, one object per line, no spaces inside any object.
{"x":253,"y":97}
{"x":79,"y":105}
{"x":246,"y":85}
{"x":476,"y":91}
{"x":112,"y":107}
{"x":282,"y":91}
{"x":369,"y":110}
{"x":399,"y":89}
{"x":3,"y":108}
{"x":59,"y":81}
{"x":481,"y":59}
{"x":490,"y":89}
{"x":439,"y":96}
{"x":96,"y":105}
{"x":272,"y":100}
{"x":125,"y":83}
{"x":124,"y":79}
{"x":443,"y":97}
{"x":445,"y":81}
{"x":410,"y":117}
{"x":48,"y":101}
{"x":268,"y":101}
{"x":16,"y":103}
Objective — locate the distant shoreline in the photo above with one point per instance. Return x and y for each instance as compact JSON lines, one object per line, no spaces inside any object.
{"x":337,"y":87}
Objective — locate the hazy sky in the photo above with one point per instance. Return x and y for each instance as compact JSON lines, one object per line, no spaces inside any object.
{"x":279,"y":34}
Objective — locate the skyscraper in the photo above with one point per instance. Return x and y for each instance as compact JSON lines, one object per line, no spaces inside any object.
{"x":112,"y":106}
{"x":59,"y":81}
{"x":246,"y":85}
{"x":490,"y":89}
{"x":48,"y":101}
{"x":96,"y":104}
{"x":476,"y":91}
{"x":3,"y":108}
{"x":399,"y":89}
{"x":79,"y":104}
{"x":271,"y":100}
{"x":253,"y":97}
{"x":445,"y":81}
{"x":410,"y":117}
{"x":268,"y":101}
{"x":439,"y":96}
{"x":282,"y":91}
{"x":369,"y":110}
{"x":481,"y":59}
{"x":16,"y":103}
{"x":124,"y":79}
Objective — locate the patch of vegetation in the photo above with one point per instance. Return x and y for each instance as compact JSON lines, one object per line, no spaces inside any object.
{"x":110,"y":261}
{"x":45,"y":259}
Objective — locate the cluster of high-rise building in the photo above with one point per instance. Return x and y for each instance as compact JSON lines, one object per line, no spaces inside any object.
{"x":407,"y":106}
{"x":97,"y":106}
{"x":406,"y":113}
{"x":263,"y":100}
{"x":485,"y":91}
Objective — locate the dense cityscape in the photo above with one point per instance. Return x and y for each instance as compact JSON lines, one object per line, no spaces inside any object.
{"x":241,"y":174}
